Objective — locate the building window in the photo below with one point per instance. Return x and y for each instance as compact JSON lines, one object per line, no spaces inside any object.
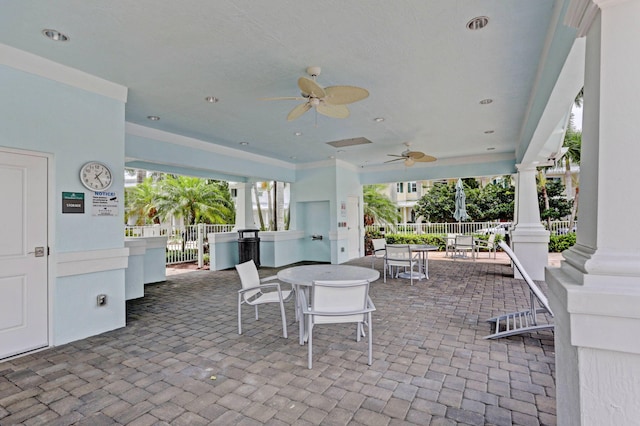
{"x":411,"y":187}
{"x":234,"y":192}
{"x":399,"y":187}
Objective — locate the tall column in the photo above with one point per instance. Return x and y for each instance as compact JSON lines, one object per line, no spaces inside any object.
{"x":529,"y":239}
{"x":595,"y":294}
{"x":244,"y":206}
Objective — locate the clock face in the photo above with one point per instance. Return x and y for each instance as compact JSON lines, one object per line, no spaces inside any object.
{"x":95,"y":176}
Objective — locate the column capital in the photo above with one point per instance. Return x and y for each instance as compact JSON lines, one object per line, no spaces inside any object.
{"x":527,"y":167}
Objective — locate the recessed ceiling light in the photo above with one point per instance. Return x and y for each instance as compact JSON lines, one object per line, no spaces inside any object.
{"x":244,"y":143}
{"x":490,"y":148}
{"x":55,"y":35}
{"x":293,"y":157}
{"x":341,"y":150}
{"x":332,"y":156}
{"x":486,"y":101}
{"x":211,"y":99}
{"x":153,"y":117}
{"x":378,"y":119}
{"x":488,"y":132}
{"x":298,"y":133}
{"x":478,"y":23}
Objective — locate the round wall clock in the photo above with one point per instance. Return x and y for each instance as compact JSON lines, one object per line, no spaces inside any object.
{"x":96,"y":176}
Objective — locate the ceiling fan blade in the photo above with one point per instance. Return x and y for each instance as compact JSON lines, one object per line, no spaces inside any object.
{"x":342,"y":95}
{"x":395,"y":155}
{"x":395,"y":159}
{"x":298,"y":111}
{"x":284,"y":98}
{"x":335,"y":111}
{"x":416,"y":155}
{"x":425,"y":159}
{"x":310,"y":87}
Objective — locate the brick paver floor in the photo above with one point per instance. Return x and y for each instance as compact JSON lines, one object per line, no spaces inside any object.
{"x":180,"y":360}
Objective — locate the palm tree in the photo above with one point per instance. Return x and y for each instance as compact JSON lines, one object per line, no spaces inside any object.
{"x":195,"y":200}
{"x":140,"y":203}
{"x":378,"y":207}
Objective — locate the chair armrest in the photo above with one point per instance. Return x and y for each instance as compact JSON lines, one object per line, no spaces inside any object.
{"x":260,"y":287}
{"x":370,"y":304}
{"x":271,"y":278}
{"x":338,"y":314}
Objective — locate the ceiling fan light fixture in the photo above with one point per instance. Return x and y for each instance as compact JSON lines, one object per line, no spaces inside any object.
{"x":409,"y":162}
{"x":211,"y":99}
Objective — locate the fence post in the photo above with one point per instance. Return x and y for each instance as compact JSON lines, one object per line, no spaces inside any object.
{"x":200,"y":246}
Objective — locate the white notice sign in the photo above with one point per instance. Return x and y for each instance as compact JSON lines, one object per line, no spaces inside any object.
{"x":104,"y":204}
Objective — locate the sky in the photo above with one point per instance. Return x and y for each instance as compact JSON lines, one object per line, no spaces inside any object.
{"x":577,"y":117}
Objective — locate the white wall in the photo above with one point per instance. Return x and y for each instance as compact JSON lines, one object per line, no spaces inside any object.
{"x":75,"y":126}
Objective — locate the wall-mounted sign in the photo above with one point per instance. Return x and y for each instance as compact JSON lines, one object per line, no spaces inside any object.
{"x":343,"y":208}
{"x":104,"y":204}
{"x":73,"y":202}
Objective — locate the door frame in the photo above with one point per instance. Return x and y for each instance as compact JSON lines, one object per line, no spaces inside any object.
{"x":51,"y":258}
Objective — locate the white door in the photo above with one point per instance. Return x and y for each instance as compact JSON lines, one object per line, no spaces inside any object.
{"x":353,"y":227}
{"x":23,"y":253}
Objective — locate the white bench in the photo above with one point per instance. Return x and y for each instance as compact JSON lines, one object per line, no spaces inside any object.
{"x":523,"y":321}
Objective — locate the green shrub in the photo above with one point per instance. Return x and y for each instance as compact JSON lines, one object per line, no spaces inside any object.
{"x":560,"y":243}
{"x":431,"y":239}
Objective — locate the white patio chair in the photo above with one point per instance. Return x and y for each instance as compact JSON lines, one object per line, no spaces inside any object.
{"x":464,"y":245}
{"x":450,"y":244}
{"x":489,"y":245}
{"x":252,"y":292}
{"x":379,"y":250}
{"x":339,"y":302}
{"x":400,"y":256}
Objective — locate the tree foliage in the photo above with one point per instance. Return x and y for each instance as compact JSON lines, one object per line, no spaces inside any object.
{"x":195,"y":200}
{"x":492,"y":202}
{"x":559,"y":206}
{"x":378,"y":207}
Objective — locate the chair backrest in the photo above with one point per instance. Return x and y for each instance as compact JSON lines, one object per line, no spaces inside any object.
{"x":464,"y":240}
{"x":249,"y":277}
{"x":491,"y":240}
{"x":398,"y":252}
{"x":535,"y":290}
{"x":378,"y":244}
{"x":339,"y":297}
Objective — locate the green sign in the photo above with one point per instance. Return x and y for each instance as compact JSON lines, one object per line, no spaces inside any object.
{"x":73,"y":202}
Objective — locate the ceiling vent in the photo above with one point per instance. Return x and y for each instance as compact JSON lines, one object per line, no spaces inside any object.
{"x":349,"y":142}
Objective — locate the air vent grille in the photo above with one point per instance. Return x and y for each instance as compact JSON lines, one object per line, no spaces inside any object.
{"x":349,"y":142}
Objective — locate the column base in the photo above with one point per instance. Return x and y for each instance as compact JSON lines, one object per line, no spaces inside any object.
{"x":531,"y":245}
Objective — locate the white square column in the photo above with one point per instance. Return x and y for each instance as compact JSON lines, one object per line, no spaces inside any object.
{"x":529,"y":239}
{"x":595,"y":294}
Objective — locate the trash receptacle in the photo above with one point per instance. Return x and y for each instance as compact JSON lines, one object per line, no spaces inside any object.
{"x":249,"y":246}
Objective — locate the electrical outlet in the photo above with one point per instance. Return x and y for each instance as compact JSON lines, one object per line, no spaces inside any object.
{"x":101,"y":299}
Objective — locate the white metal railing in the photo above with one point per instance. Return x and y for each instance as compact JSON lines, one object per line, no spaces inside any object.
{"x":557,"y":227}
{"x":184,"y":243}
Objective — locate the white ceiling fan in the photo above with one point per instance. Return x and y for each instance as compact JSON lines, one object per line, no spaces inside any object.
{"x":329,"y":101}
{"x":411,"y":157}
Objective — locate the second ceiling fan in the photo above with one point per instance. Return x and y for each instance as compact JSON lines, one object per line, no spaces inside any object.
{"x":411,"y":157}
{"x":330,"y":101}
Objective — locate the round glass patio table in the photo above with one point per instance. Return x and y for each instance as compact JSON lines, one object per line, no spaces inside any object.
{"x":302,"y":277}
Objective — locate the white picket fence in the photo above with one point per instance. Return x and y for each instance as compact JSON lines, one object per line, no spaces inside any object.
{"x":557,"y":227}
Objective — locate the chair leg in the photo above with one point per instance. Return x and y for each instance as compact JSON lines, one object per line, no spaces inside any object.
{"x":256,"y":306}
{"x":370,"y":339}
{"x":239,"y":314}
{"x":385,"y":272}
{"x":284,"y":318}
{"x":310,"y":341}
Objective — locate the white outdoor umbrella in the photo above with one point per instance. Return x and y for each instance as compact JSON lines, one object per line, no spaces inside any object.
{"x":460,"y":213}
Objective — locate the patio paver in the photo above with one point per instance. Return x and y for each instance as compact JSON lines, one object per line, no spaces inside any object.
{"x":180,"y":360}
